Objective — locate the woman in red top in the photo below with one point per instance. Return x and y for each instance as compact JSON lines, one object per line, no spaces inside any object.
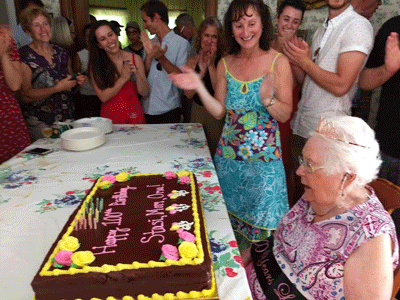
{"x":111,"y":70}
{"x":14,"y":134}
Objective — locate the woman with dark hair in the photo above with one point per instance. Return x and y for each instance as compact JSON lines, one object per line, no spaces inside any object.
{"x":209,"y":47}
{"x":289,"y":15}
{"x":111,"y":70}
{"x":254,"y":91}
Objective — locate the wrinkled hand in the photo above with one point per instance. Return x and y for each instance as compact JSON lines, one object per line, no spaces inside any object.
{"x":392,"y":53}
{"x":5,"y":40}
{"x":187,"y":80}
{"x":66,"y":83}
{"x":81,"y":79}
{"x":267,"y":89}
{"x":297,"y":50}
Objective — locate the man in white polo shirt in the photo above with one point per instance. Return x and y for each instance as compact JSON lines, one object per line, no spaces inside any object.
{"x":339,"y":50}
{"x":164,"y":55}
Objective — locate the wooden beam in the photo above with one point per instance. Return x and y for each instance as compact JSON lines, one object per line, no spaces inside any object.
{"x":211,"y":7}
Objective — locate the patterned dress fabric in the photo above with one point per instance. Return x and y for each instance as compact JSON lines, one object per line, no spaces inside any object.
{"x":14,"y":134}
{"x":57,"y":107}
{"x":124,"y":107}
{"x":313,"y":255}
{"x":248,"y":162}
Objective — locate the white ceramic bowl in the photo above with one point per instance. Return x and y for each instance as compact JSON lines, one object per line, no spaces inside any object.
{"x":102,"y":123}
{"x":82,"y":139}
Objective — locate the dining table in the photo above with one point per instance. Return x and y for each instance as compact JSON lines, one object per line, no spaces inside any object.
{"x":38,"y":193}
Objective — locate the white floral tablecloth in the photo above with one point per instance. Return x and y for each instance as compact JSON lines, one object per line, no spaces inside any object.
{"x":38,"y":194}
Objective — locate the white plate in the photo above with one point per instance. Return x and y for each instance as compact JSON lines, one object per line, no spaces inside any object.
{"x":81,"y":139}
{"x":101,"y":123}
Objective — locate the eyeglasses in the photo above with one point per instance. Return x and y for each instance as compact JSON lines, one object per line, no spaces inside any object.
{"x":183,"y":27}
{"x":308,"y":167}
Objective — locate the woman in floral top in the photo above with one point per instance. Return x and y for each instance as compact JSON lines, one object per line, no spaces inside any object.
{"x":338,"y":241}
{"x":46,"y":89}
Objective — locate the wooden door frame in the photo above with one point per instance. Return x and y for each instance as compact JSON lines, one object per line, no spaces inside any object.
{"x":211,"y":8}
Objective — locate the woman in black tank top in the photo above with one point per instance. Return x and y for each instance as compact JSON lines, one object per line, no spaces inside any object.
{"x":209,"y":49}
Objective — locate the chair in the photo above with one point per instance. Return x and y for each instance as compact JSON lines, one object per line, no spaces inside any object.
{"x":389,"y":195}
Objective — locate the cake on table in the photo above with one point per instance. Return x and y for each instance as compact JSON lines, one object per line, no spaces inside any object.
{"x":132,"y":237}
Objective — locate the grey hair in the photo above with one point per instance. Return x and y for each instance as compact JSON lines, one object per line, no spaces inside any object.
{"x":357,"y":152}
{"x":184,"y":18}
{"x":61,"y":32}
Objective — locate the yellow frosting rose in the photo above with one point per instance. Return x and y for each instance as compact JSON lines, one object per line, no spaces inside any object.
{"x":174,"y":227}
{"x":188,"y":250}
{"x":105,"y":184}
{"x":69,"y":243}
{"x":82,"y":258}
{"x":122,"y":177}
{"x":183,"y":173}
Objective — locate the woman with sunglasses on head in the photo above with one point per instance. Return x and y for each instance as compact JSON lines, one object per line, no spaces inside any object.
{"x":253,"y":92}
{"x":337,"y":241}
{"x":111,"y":70}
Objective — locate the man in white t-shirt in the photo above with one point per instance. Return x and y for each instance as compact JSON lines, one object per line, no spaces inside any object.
{"x":339,"y":50}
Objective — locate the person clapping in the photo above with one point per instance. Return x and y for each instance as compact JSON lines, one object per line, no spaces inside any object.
{"x":46,"y":69}
{"x":111,"y":70}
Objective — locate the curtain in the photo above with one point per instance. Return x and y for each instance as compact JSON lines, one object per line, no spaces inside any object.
{"x":78,"y":12}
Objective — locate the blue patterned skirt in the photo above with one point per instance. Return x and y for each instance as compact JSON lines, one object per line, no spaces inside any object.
{"x":255,"y":194}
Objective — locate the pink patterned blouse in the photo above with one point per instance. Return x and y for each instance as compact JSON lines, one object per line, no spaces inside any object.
{"x":312,"y":255}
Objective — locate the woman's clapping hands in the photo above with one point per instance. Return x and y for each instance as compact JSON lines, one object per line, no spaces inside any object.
{"x":187,"y":80}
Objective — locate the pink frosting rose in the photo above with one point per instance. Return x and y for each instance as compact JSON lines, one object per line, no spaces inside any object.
{"x":187,"y":236}
{"x":170,"y":175}
{"x":109,"y":178}
{"x":184,"y":180}
{"x":64,"y":257}
{"x":170,"y":252}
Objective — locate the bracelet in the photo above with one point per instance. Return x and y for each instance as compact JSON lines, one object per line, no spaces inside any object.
{"x":270,"y":103}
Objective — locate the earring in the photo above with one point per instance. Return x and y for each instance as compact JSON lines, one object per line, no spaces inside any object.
{"x":342,"y":184}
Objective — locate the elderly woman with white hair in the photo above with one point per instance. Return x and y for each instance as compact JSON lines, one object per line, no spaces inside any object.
{"x":337,"y":241}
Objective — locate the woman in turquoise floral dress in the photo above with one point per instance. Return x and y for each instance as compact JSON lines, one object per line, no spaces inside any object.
{"x":254,"y":91}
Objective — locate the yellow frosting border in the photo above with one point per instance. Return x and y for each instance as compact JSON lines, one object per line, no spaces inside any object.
{"x":205,"y":293}
{"x":135,"y":265}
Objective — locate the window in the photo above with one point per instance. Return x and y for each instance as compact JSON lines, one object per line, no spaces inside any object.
{"x":113,"y":14}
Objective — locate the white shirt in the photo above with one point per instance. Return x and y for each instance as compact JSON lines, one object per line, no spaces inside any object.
{"x":164,"y":96}
{"x":347,"y":32}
